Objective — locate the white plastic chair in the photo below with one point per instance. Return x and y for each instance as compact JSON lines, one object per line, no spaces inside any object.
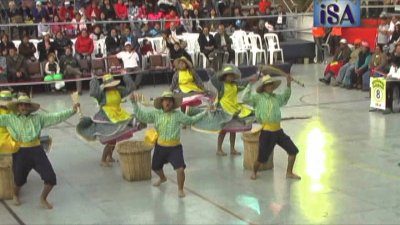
{"x":272,"y":43}
{"x":238,"y":47}
{"x":256,"y":48}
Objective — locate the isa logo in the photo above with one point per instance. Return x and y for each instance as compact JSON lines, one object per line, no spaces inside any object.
{"x":337,"y":13}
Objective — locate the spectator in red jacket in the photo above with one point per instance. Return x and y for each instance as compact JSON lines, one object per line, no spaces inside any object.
{"x":171,"y":18}
{"x":263,"y":6}
{"x":93,"y":11}
{"x":121,"y":10}
{"x":84,"y":46}
{"x":66,"y":12}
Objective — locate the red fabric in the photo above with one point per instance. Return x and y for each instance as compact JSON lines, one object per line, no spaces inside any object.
{"x":63,"y":12}
{"x":318,"y":32}
{"x":173,"y":18}
{"x":89,"y":10}
{"x":84,"y":45}
{"x":367,"y":34}
{"x":121,"y":11}
{"x":142,"y":12}
{"x":264,"y":5}
{"x":334,"y":68}
{"x":146,"y":48}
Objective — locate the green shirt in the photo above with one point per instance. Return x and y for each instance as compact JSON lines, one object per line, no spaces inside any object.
{"x":27,"y":128}
{"x":267,"y":106}
{"x":167,"y":124}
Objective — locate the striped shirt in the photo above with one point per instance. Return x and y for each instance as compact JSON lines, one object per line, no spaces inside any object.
{"x":167,"y":124}
{"x":27,"y":128}
{"x":267,"y":106}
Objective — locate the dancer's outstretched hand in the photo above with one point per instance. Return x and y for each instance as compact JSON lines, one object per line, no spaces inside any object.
{"x":134,"y":97}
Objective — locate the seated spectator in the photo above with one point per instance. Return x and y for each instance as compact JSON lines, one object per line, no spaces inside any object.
{"x":60,"y":43}
{"x":197,"y":25}
{"x":66,"y":12}
{"x":346,"y":69}
{"x":28,"y":19}
{"x":143,"y":32}
{"x":155,"y":31}
{"x":45,"y":47}
{"x":224,"y":45}
{"x":14,"y":13}
{"x":147,"y":48}
{"x":5,"y":44}
{"x":113,"y":44}
{"x":92,"y":11}
{"x":131,"y":60}
{"x":108,"y":10}
{"x":252,"y":23}
{"x":263,"y":5}
{"x":171,"y":18}
{"x":43,"y":28}
{"x":179,"y":50}
{"x":79,"y":23}
{"x":361,"y":66}
{"x":376,"y":67}
{"x":174,"y":31}
{"x":16,"y":68}
{"x":205,"y":8}
{"x":69,"y":29}
{"x":55,"y":28}
{"x":238,"y":23}
{"x":51,"y":10}
{"x":52,"y":68}
{"x":121,"y":10}
{"x":341,"y":57}
{"x":213,"y":22}
{"x":97,"y":34}
{"x":142,"y":12}
{"x":394,"y":39}
{"x":70,"y":68}
{"x":383,"y":31}
{"x":84,"y":46}
{"x":280,"y":22}
{"x":207,"y":44}
{"x":40,"y":12}
{"x":187,"y":5}
{"x":186,"y":21}
{"x":127,"y":36}
{"x":394,"y":72}
{"x":27,"y":49}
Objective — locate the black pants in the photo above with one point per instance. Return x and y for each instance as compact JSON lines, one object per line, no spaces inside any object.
{"x":163,"y":155}
{"x":268,"y":140}
{"x":35,"y":158}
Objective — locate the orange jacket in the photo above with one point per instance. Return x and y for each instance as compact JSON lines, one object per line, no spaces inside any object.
{"x":318,"y":32}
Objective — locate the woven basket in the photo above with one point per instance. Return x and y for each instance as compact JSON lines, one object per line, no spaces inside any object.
{"x":6,"y":178}
{"x":135,"y":157}
{"x":250,"y":143}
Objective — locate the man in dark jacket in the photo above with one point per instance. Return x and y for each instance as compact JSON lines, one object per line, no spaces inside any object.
{"x":16,"y":69}
{"x":224,"y":45}
{"x":207,"y":44}
{"x":27,"y":49}
{"x":113,"y":43}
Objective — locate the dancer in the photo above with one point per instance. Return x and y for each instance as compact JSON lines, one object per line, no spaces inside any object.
{"x":111,"y":123}
{"x":228,"y":85}
{"x":267,"y":109}
{"x":167,"y":121}
{"x":25,"y":127}
{"x":7,"y":144}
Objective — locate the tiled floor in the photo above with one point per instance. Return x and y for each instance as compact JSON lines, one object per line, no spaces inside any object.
{"x":348,"y":160}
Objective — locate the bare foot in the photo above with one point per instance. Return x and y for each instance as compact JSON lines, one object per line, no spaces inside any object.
{"x":110,"y":159}
{"x":159,"y":182}
{"x":293,"y":176}
{"x":234,"y":152}
{"x":221,"y":153}
{"x":105,"y":164}
{"x":181,"y":194}
{"x":45,"y":204}
{"x":16,"y":201}
{"x":253,"y":176}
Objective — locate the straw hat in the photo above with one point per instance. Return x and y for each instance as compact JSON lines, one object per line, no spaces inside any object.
{"x":267,"y":79}
{"x":184,"y":59}
{"x":229,"y":69}
{"x":23,"y":99}
{"x":108,"y":81}
{"x":5,"y":98}
{"x":167,"y":94}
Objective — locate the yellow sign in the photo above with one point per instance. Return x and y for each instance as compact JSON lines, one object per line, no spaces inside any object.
{"x":378,"y":92}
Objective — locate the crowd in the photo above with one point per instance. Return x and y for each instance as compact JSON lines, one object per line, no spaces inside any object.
{"x":352,"y":66}
{"x":88,"y":22}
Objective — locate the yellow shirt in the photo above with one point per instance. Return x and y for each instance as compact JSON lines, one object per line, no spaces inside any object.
{"x":113,"y":109}
{"x":230,"y":103}
{"x":7,"y":144}
{"x":186,"y":82}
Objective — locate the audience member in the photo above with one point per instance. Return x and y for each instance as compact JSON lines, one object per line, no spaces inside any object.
{"x":70,"y":67}
{"x":84,"y":46}
{"x":27,"y":49}
{"x":113,"y":44}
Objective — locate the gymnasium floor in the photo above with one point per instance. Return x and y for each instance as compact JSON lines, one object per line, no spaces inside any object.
{"x":348,"y":161}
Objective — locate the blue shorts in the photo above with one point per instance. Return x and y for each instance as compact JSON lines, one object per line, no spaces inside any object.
{"x":163,"y":155}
